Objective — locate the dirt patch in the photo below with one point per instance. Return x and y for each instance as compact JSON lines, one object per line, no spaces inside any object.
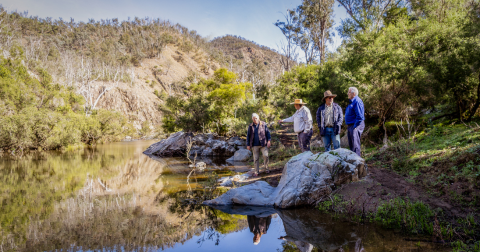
{"x":381,"y":185}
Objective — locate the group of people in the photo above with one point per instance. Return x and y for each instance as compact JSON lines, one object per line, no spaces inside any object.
{"x":329,"y":119}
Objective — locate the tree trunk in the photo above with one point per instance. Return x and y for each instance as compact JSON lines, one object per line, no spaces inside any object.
{"x":477,"y":103}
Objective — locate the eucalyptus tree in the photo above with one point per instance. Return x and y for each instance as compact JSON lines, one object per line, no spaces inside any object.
{"x":316,"y":17}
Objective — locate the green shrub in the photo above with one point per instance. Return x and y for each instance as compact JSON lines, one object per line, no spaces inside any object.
{"x":413,"y":217}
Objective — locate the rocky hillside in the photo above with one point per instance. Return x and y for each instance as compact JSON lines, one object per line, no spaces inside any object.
{"x":139,"y":62}
{"x":155,"y":79}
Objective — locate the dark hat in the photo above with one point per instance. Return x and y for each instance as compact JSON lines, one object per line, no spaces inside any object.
{"x":328,"y":94}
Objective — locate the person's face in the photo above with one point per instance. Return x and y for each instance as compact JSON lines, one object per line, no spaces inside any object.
{"x":350,"y":94}
{"x":297,"y":106}
{"x":329,"y":100}
{"x":256,"y":237}
{"x":255,"y":120}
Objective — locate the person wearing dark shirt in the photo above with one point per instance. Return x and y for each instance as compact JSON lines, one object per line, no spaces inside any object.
{"x":355,"y":119}
{"x":258,"y":140}
{"x":258,"y":226}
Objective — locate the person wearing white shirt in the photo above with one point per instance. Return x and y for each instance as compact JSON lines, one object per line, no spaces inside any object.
{"x":302,"y":124}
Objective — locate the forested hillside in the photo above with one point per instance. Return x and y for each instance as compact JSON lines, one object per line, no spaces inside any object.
{"x":131,"y":67}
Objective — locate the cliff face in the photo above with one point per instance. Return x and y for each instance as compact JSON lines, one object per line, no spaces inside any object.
{"x":173,"y":71}
{"x":166,"y":75}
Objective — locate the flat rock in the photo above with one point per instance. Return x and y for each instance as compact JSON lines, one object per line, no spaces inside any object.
{"x":306,"y":178}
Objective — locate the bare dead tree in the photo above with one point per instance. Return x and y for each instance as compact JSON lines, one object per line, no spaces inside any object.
{"x":88,"y":85}
{"x":287,"y":49}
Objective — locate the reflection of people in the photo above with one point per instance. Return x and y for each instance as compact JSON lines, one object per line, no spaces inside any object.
{"x":301,"y":245}
{"x":302,"y":124}
{"x":258,"y":226}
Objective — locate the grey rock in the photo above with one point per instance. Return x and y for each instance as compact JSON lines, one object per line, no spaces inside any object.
{"x":196,"y":150}
{"x":228,"y":181}
{"x":175,"y":145}
{"x":344,"y":141}
{"x":317,"y":144}
{"x":239,"y":142}
{"x":241,"y":155}
{"x":203,"y":144}
{"x":200,"y":139}
{"x":232,"y":140}
{"x":207,"y":152}
{"x":306,"y":178}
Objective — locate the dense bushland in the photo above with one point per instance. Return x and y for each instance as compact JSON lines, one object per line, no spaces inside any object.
{"x":217,"y":105}
{"x":37,"y":114}
{"x":423,"y":58}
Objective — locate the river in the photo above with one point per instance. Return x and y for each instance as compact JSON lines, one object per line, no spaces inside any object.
{"x":114,"y":198}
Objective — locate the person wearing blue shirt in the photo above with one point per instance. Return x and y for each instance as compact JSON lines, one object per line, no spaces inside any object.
{"x":355,"y":120}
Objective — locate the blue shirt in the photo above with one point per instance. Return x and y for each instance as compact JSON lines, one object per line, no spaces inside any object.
{"x":355,"y":112}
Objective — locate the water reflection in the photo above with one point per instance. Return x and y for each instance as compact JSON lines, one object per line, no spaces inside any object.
{"x":114,"y":198}
{"x":258,"y":226}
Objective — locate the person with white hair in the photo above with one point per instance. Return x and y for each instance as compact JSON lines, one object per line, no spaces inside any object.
{"x":355,"y":119}
{"x":258,"y":140}
{"x":302,"y":124}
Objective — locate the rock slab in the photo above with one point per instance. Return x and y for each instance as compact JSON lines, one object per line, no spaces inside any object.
{"x":306,"y":178}
{"x":175,"y":145}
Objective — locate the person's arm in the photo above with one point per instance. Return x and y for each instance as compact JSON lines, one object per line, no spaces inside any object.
{"x":268,"y":136}
{"x":307,"y":118}
{"x":359,"y":112}
{"x":340,"y":117}
{"x":290,"y":119}
{"x":248,"y":137}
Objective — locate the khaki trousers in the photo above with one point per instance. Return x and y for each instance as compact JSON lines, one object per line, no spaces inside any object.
{"x":256,"y":157}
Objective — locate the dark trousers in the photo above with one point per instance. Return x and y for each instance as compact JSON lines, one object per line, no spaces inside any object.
{"x":354,"y":137}
{"x":304,"y":140}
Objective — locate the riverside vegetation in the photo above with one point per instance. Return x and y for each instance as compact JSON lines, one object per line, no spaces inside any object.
{"x":415,"y":63}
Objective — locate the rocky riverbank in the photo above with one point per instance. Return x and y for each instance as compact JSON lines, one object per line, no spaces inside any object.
{"x":202,"y":145}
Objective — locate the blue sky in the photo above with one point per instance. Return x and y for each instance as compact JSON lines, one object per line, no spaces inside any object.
{"x":250,"y":19}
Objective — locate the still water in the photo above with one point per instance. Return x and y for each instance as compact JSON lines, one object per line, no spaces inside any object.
{"x":114,"y":198}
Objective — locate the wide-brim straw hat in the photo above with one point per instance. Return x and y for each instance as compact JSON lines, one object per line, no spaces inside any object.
{"x":328,"y":94}
{"x":299,"y":101}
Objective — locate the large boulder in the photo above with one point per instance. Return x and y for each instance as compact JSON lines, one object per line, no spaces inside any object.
{"x":241,"y":155}
{"x":175,"y":145}
{"x":306,"y":178}
{"x":202,"y":145}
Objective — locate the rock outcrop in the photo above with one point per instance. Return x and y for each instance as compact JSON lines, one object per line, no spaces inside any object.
{"x":175,"y":145}
{"x":202,"y":145}
{"x":306,"y":178}
{"x":241,"y":155}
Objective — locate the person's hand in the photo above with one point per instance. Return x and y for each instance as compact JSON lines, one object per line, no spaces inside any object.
{"x":280,"y":121}
{"x":268,"y":144}
{"x":248,"y":147}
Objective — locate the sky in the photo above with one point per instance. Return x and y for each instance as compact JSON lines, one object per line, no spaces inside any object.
{"x":250,"y":19}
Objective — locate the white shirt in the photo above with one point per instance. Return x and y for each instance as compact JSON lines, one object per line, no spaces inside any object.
{"x":302,"y":120}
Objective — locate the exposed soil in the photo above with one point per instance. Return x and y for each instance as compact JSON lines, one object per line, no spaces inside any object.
{"x":381,"y":185}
